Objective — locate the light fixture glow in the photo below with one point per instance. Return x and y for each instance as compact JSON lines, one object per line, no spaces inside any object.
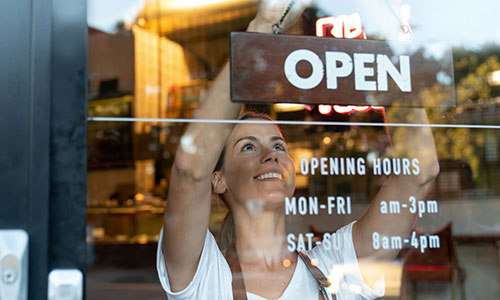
{"x":494,"y":78}
{"x":286,"y":263}
{"x":193,"y":3}
{"x":139,"y":197}
{"x":287,"y":107}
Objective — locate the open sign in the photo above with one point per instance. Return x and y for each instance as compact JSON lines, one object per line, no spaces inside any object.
{"x":340,"y":65}
{"x":311,"y":70}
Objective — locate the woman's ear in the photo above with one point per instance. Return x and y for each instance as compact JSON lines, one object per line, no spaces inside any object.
{"x":218,"y":184}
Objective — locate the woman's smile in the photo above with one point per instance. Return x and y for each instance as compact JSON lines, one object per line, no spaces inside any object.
{"x":270,"y":175}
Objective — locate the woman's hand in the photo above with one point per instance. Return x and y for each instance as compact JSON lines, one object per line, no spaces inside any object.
{"x":271,"y":11}
{"x":409,"y":142}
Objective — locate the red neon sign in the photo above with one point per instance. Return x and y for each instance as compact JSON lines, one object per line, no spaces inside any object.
{"x":341,"y":109}
{"x":344,"y":26}
{"x":325,"y":109}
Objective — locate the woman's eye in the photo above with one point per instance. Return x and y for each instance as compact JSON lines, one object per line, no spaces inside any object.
{"x":247,"y":147}
{"x":279,"y":147}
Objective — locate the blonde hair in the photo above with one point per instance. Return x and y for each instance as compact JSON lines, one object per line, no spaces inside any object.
{"x":226,"y":234}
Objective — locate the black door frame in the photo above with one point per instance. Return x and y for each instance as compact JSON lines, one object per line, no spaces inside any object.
{"x":43,"y":62}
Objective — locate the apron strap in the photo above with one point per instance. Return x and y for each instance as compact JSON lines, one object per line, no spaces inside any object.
{"x":238,"y":284}
{"x":321,"y":279}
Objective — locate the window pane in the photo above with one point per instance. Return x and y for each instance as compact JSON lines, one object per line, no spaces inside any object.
{"x":153,"y":63}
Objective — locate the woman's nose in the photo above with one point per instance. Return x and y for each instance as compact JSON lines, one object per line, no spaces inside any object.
{"x":270,"y":156}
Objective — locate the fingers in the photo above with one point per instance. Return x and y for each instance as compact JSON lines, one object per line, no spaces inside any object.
{"x":295,"y":12}
{"x":272,"y":11}
{"x":303,"y":4}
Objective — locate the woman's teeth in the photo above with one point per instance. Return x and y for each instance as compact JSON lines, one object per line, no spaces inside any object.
{"x":269,"y":175}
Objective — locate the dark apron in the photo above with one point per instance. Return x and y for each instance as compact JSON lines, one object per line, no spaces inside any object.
{"x":238,"y":284}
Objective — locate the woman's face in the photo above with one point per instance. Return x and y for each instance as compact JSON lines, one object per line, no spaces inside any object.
{"x":257,"y":169}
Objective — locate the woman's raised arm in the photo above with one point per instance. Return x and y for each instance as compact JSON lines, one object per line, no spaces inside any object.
{"x":189,"y":196}
{"x":411,"y":143}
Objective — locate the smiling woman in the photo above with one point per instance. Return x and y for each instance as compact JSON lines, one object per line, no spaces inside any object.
{"x":273,"y":172}
{"x":248,"y":166}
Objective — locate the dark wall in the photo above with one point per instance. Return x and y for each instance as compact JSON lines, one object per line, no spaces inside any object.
{"x":43,"y":131}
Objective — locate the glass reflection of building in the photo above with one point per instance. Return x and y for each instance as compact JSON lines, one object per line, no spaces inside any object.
{"x":158,"y":67}
{"x":161,"y":66}
{"x":175,"y":56}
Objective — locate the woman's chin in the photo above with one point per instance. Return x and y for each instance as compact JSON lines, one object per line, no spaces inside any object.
{"x":270,"y":198}
{"x":264,"y":198}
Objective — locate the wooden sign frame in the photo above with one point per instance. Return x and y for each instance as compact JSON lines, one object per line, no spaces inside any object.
{"x":269,"y":68}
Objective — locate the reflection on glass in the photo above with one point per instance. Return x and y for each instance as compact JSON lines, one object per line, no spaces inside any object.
{"x":162,"y":68}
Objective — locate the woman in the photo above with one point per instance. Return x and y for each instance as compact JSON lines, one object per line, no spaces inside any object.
{"x":254,"y":177}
